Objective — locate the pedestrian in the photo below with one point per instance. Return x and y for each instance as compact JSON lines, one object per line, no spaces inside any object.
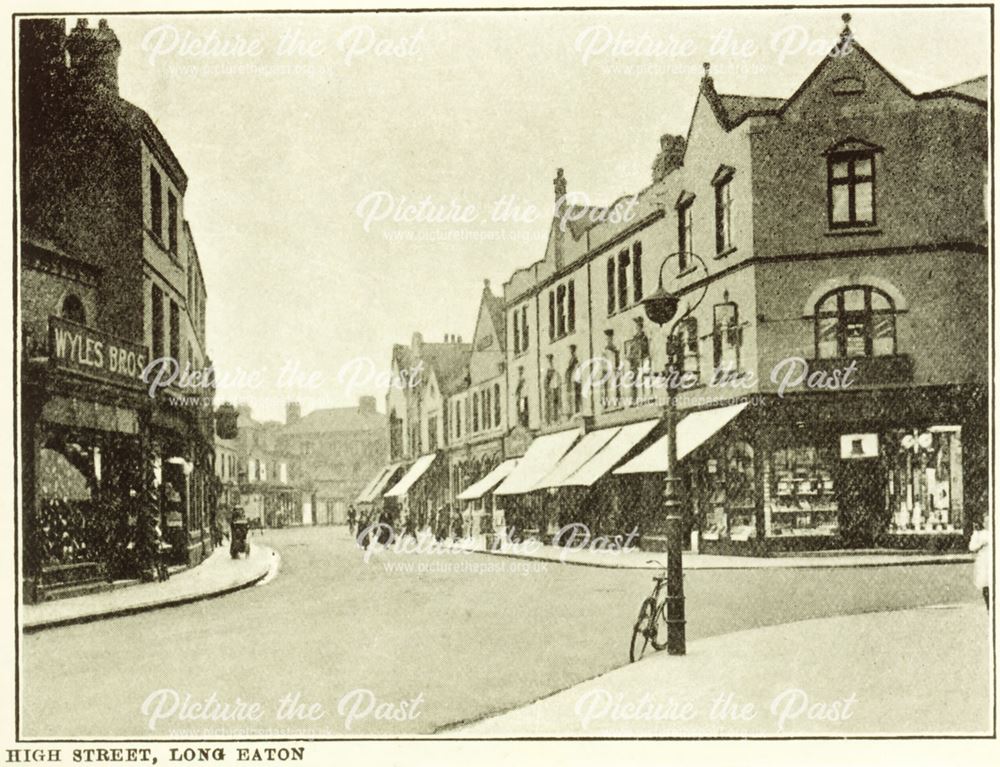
{"x":352,"y":518}
{"x":980,"y":544}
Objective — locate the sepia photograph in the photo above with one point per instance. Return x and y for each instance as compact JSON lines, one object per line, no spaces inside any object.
{"x":498,"y":374}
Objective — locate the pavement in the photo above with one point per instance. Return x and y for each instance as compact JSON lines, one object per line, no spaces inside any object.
{"x":594,"y":556}
{"x":921,"y":671}
{"x":218,"y":574}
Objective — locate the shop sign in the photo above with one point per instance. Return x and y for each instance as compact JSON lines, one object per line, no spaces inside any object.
{"x":82,"y":350}
{"x":858,"y":446}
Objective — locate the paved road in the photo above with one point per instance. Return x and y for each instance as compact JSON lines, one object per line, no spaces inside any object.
{"x":462,"y":644}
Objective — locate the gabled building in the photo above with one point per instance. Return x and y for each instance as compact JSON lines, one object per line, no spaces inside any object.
{"x":835,"y":235}
{"x":829,"y":249}
{"x":425,"y":377}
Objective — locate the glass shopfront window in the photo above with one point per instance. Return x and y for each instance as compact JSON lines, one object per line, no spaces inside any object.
{"x":924,"y":486}
{"x":723,"y":492}
{"x":801,"y":497}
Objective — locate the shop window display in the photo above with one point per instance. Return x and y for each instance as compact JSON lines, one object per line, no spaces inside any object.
{"x":924,"y":485}
{"x":70,"y":530}
{"x":724,"y":492}
{"x":801,"y":495}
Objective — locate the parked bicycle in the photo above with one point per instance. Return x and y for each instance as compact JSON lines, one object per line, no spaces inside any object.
{"x":651,"y":626}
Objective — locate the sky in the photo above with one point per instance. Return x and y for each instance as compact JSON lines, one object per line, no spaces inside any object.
{"x":353,"y":178}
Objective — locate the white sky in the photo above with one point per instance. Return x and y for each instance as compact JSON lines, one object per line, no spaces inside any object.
{"x":481,"y":106}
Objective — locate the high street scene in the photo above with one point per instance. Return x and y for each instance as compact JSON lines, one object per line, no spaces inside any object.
{"x":579,"y":374}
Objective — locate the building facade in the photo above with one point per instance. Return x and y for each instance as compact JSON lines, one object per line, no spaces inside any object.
{"x":829,"y":250}
{"x":110,"y":283}
{"x":331,"y":453}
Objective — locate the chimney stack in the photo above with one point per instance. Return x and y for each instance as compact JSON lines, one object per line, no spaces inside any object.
{"x":417,"y":343}
{"x":670,"y":157}
{"x":93,"y":57}
{"x":293,"y":413}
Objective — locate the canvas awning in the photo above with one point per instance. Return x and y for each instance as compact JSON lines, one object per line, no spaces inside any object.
{"x":481,"y":487}
{"x":693,"y":431}
{"x":415,"y":472}
{"x":582,"y":451}
{"x":540,"y":458}
{"x":627,"y":438}
{"x":374,"y":489}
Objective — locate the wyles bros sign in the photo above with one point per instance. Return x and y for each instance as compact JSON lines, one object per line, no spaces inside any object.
{"x":82,"y":350}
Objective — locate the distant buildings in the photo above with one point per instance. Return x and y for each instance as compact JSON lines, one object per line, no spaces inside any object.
{"x":331,"y":453}
{"x":836,"y":234}
{"x":307,"y":470}
{"x":110,"y":280}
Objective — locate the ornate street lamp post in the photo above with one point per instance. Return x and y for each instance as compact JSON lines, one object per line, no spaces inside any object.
{"x":661,"y":307}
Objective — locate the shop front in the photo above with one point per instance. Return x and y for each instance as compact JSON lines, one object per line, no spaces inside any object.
{"x":859,"y":471}
{"x":82,"y":472}
{"x":108,"y":481}
{"x":477,"y":505}
{"x":417,"y":503}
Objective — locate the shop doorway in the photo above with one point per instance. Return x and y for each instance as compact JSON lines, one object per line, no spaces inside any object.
{"x":861,"y":501}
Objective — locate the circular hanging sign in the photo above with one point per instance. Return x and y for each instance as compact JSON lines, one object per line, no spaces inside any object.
{"x":908,"y":442}
{"x":925,"y":440}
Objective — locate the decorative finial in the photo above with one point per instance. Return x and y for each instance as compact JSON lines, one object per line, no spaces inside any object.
{"x":486,"y":283}
{"x":708,"y":68}
{"x":846,"y":18}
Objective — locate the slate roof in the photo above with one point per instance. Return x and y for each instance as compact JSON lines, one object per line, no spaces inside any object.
{"x":494,"y":305}
{"x":739,"y":107}
{"x":450,"y":363}
{"x":337,"y":419}
{"x":977,"y":88}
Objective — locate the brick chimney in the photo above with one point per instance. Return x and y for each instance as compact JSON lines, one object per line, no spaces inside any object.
{"x":293,"y":413}
{"x":366,"y":404}
{"x":417,"y":344}
{"x":670,"y":157}
{"x":93,"y":57}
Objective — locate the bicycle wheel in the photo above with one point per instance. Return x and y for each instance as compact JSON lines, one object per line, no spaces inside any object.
{"x":658,"y":636}
{"x":643,"y":633}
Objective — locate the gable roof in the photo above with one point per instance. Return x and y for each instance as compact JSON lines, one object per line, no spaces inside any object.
{"x":976,"y":88}
{"x":738,"y":108}
{"x":494,"y":305}
{"x":337,"y":419}
{"x":450,"y":363}
{"x":732,"y":109}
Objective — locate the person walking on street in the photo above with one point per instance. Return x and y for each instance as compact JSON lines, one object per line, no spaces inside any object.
{"x":352,"y":518}
{"x":980,"y":544}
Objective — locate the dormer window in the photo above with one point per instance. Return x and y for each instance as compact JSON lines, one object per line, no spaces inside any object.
{"x":851,"y":184}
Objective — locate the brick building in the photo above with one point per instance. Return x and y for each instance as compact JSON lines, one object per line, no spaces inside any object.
{"x":110,"y":279}
{"x":830,"y":251}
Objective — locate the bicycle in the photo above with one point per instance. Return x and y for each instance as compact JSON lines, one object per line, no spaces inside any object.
{"x":651,"y":615}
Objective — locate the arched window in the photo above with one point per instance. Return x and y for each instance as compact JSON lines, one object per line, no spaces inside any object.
{"x":856,"y":321}
{"x":72,"y":309}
